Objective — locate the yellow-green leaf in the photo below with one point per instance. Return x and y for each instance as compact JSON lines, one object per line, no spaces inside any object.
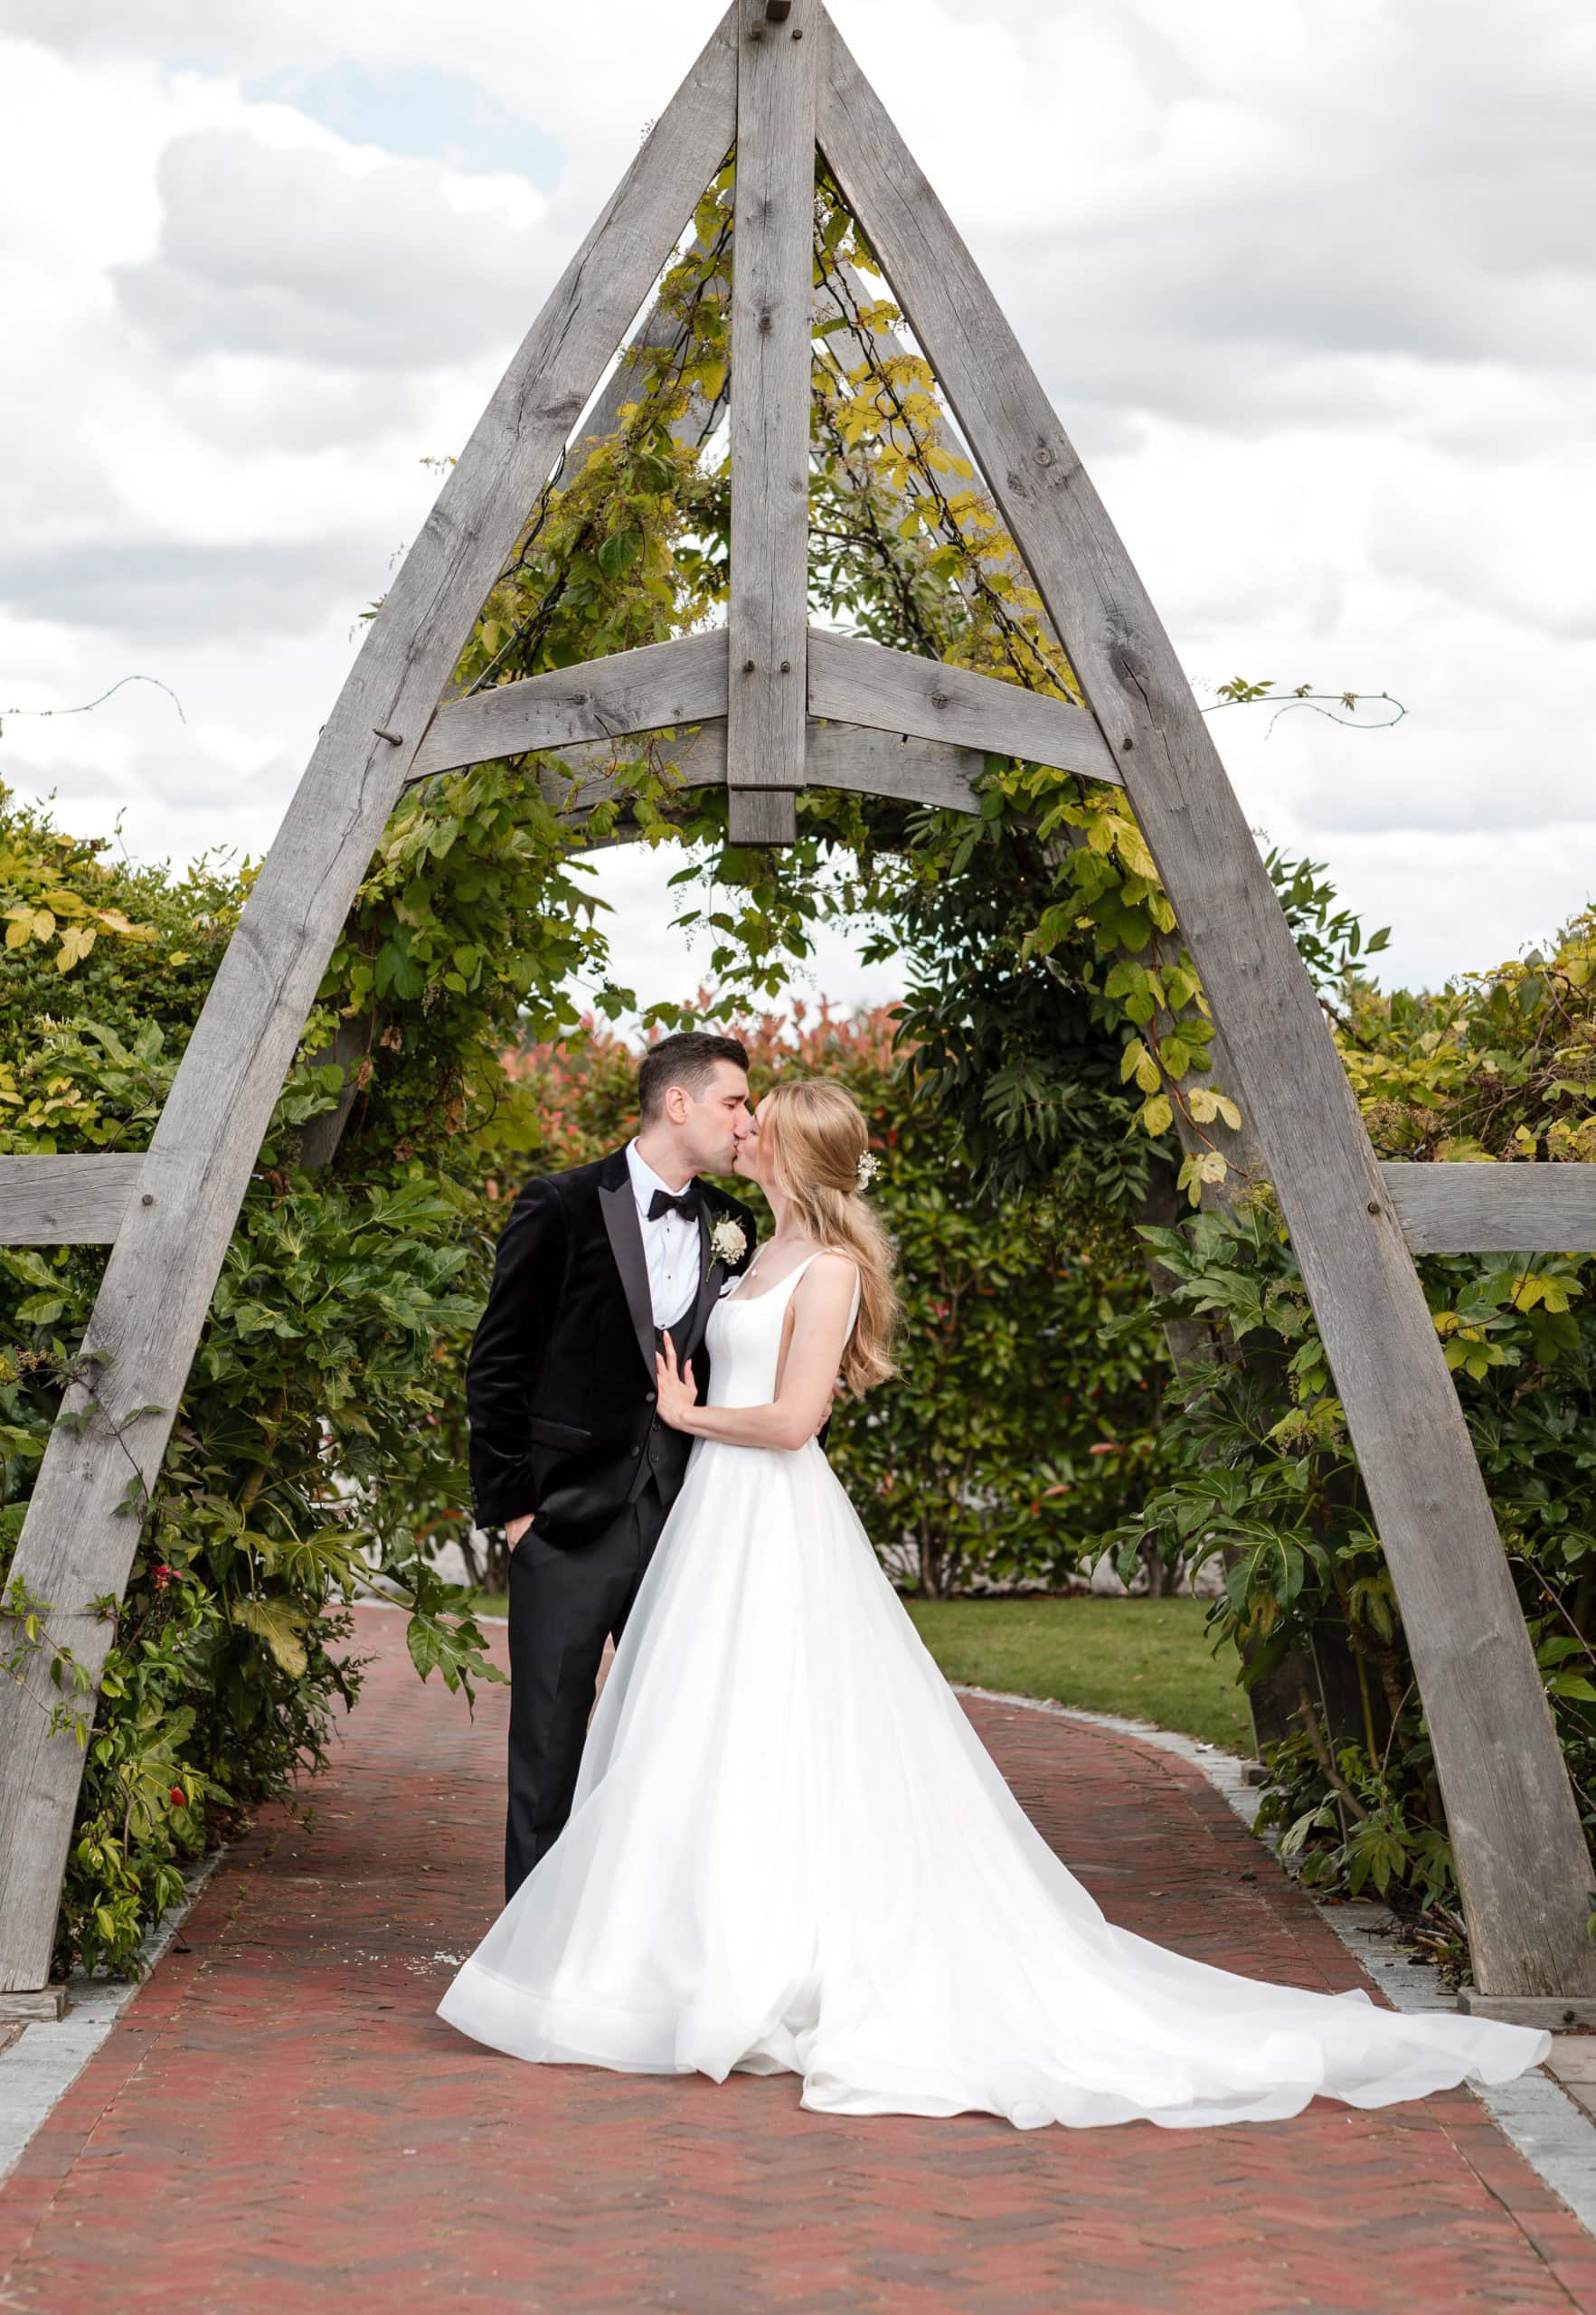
{"x":76,"y":941}
{"x":276,"y":1623}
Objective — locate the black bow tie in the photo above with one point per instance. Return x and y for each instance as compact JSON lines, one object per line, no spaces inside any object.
{"x":684,"y":1202}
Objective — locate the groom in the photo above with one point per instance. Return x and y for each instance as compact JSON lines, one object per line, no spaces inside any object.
{"x":567,"y":1452}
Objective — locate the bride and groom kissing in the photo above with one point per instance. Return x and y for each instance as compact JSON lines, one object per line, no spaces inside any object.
{"x":775,"y":1843}
{"x":572,"y":1450}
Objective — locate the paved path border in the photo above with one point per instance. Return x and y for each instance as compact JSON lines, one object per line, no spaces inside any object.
{"x":49,"y":2054}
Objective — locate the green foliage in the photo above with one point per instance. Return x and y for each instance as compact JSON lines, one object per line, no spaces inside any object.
{"x":1492,"y":1069}
{"x":1152,"y":1658}
{"x":1009,"y":1439}
{"x":314,"y":1398}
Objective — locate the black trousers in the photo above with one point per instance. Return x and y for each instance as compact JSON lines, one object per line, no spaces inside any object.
{"x":562,"y":1604}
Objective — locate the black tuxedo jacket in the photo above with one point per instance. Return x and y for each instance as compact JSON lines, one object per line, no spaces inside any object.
{"x":560,"y":1382}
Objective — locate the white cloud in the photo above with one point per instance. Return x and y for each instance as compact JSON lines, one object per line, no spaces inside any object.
{"x":395,"y":267}
{"x":1313,"y":292}
{"x":177,"y":591}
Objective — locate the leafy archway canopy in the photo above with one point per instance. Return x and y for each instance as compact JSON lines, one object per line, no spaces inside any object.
{"x":1052,"y":1011}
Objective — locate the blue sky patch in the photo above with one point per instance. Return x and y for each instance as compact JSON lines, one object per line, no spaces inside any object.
{"x":424,"y":115}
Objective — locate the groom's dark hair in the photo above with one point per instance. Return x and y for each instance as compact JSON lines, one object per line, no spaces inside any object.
{"x":686,"y":1059}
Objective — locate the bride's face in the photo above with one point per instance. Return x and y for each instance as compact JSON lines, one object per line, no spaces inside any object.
{"x":752,"y":1160}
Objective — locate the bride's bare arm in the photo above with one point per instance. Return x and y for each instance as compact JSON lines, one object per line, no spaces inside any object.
{"x":822,"y":1301}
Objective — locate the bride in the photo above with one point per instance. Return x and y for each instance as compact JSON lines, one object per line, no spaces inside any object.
{"x":788,"y":1851}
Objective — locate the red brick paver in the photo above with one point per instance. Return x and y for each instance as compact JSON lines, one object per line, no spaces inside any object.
{"x":280,"y":2123}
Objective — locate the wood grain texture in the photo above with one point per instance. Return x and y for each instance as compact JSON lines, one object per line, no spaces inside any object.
{"x":1520,"y":1854}
{"x":66,"y":1201}
{"x":629,"y":382}
{"x":836,"y":755}
{"x":678,"y":681}
{"x":1484,"y":1209}
{"x":865,"y":682}
{"x":162,"y":1271}
{"x":349,"y":1044}
{"x":909,"y":770}
{"x":772,"y":333}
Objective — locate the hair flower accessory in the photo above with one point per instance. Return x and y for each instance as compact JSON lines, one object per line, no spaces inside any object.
{"x":869,"y":1166}
{"x":728,"y":1240}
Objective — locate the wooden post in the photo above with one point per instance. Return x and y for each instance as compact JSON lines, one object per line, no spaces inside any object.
{"x":772,"y":333}
{"x":1520,"y":1854}
{"x":158,"y":1281}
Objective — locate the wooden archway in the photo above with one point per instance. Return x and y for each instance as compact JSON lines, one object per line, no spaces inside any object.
{"x":778,"y":707}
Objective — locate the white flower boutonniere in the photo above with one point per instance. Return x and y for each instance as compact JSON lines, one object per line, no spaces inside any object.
{"x":728,"y":1240}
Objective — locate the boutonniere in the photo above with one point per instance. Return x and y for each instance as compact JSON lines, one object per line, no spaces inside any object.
{"x":728,"y":1240}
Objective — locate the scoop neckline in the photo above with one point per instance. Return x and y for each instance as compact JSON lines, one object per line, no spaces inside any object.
{"x":766,"y":1292}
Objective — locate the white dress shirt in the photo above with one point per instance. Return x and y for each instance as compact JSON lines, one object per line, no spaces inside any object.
{"x":670,"y":1245}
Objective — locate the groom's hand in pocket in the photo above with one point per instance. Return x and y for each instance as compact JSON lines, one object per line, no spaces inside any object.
{"x":516,"y":1528}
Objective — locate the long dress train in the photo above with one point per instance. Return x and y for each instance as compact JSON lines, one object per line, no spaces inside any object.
{"x":788,"y":1850}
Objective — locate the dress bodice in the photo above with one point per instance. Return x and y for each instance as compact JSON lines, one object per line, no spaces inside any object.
{"x":744,"y":1339}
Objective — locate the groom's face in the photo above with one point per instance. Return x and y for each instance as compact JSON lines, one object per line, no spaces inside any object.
{"x":715,"y":1119}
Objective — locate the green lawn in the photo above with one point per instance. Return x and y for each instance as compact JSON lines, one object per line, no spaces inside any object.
{"x":1144,"y":1657}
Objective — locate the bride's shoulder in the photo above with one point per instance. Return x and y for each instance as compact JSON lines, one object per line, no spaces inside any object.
{"x":830,"y":1265}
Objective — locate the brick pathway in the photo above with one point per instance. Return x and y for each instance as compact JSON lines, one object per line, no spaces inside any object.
{"x":280,"y":2123}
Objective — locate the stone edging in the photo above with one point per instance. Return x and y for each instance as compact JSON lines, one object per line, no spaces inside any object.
{"x":1551,"y":2130}
{"x":49,"y":2054}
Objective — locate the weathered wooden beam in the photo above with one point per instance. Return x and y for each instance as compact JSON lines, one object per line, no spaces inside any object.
{"x":66,"y":1201}
{"x":159,"y":1279}
{"x":772,"y":337}
{"x":864,"y":682}
{"x":320,"y":1135}
{"x":34,"y":2007}
{"x":628,"y":382}
{"x":1487,"y":1209}
{"x":680,"y":681}
{"x":1520,"y":1849}
{"x":836,"y":755}
{"x":909,"y":771}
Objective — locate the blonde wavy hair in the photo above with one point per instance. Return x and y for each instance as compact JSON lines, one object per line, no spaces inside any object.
{"x":816,"y":1134}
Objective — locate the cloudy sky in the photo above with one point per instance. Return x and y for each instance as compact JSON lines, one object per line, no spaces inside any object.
{"x":1313,"y":289}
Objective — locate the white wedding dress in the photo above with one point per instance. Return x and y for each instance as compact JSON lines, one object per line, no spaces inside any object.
{"x":789,"y":1850}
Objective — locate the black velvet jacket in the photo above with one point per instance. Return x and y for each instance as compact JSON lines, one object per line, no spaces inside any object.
{"x":560,"y":1383}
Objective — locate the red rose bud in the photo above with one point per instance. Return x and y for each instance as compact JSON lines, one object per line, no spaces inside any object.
{"x":177,"y":1794}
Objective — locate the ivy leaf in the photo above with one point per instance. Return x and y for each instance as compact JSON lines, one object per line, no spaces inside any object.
{"x":278,"y":1623}
{"x":618,"y":552}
